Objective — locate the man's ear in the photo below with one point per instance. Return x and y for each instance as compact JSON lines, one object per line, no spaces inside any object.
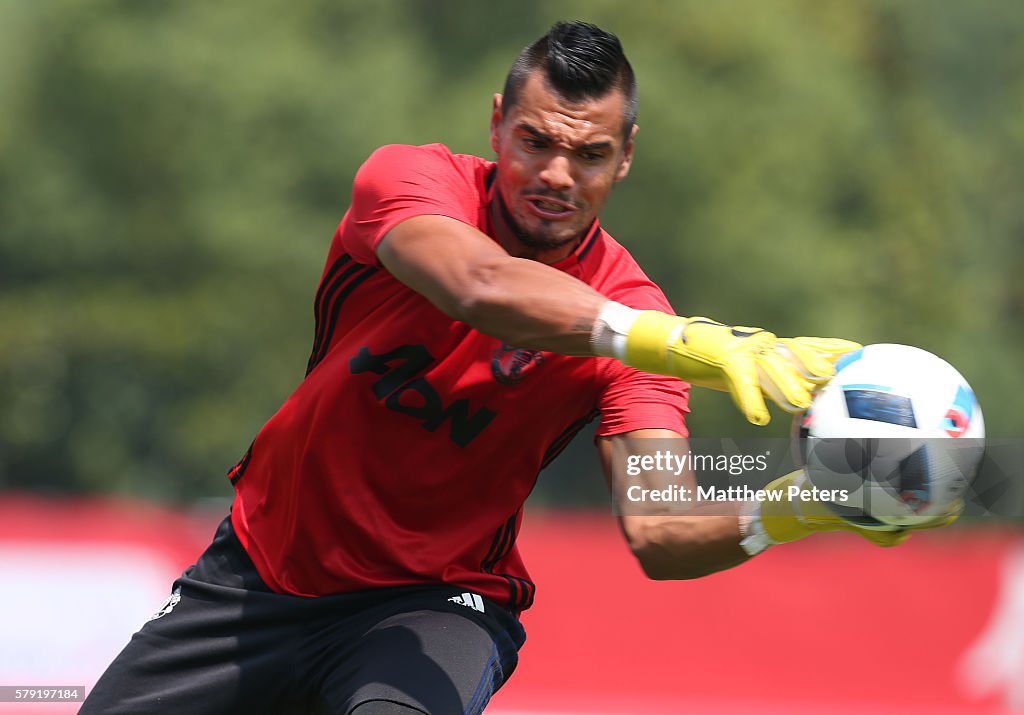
{"x":627,"y":155}
{"x":495,"y":121}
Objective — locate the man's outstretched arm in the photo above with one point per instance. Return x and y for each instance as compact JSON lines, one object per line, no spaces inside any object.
{"x":472,"y":279}
{"x":685,"y":540}
{"x":529,"y":304}
{"x":668,"y":546}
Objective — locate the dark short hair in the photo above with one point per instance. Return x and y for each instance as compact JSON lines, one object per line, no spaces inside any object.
{"x":580,"y":61}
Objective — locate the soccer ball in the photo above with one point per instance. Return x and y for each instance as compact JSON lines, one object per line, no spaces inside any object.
{"x":897,"y":428}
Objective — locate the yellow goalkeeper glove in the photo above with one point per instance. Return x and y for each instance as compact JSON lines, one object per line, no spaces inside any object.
{"x":792,"y":517}
{"x":749,"y":363}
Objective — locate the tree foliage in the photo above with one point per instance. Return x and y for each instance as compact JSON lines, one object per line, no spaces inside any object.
{"x":172,"y":172}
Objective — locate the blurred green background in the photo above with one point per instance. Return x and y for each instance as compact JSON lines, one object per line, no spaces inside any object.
{"x":171,"y":174}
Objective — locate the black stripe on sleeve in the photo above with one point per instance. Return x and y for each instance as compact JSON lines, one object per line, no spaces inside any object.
{"x":236,"y":472}
{"x":320,"y":301}
{"x":328,"y":305}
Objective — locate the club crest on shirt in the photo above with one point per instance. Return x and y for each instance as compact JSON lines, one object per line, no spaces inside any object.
{"x":509,"y":364}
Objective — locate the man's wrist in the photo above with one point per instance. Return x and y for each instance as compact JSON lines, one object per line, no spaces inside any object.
{"x":753,"y":537}
{"x":611,"y":327}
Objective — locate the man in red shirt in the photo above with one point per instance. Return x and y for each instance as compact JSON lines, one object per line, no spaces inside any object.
{"x":471,"y":318}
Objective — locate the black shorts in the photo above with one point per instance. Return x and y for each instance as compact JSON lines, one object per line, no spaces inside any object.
{"x":225,"y":643}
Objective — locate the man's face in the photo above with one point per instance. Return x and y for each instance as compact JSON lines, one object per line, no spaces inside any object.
{"x":557,"y":162}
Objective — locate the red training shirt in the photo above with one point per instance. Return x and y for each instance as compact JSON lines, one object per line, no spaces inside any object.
{"x":406,"y":454}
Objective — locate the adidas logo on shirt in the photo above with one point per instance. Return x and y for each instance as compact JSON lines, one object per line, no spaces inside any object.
{"x":469,"y":599}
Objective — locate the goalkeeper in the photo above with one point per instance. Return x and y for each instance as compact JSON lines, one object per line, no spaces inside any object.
{"x":472,"y":317}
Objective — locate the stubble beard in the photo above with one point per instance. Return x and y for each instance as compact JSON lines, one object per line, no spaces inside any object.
{"x":536,"y":240}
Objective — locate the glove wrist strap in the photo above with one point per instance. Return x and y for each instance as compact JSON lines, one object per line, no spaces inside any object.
{"x":753,"y":538}
{"x":609,"y":334}
{"x":650,"y":337}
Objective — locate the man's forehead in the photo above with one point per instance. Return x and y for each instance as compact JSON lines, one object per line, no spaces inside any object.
{"x":544,"y":109}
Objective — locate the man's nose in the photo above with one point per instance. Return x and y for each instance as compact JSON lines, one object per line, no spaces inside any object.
{"x":557,"y":173}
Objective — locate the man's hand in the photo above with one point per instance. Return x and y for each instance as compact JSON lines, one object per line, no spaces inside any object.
{"x":790,"y":519}
{"x":749,"y":363}
{"x":815,"y":357}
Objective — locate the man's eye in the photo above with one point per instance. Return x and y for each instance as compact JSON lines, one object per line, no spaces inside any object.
{"x":534,"y":144}
{"x":591,"y":156}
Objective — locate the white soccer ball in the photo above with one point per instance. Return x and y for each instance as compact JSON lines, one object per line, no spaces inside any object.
{"x":900,"y":430}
